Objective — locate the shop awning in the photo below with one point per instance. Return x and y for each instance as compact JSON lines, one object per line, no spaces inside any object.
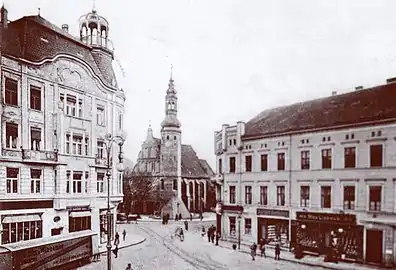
{"x":80,"y":214}
{"x":21,"y":218}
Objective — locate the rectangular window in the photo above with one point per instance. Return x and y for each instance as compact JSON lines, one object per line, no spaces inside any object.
{"x":326,"y":158}
{"x":248,"y":163}
{"x":100,"y":146}
{"x":100,"y":182}
{"x":77,"y":182}
{"x":35,"y":180}
{"x":80,"y":108}
{"x":232,"y":164}
{"x":220,"y":166}
{"x":304,"y":196}
{"x":86,"y":146}
{"x":174,"y":184}
{"x":21,"y":231}
{"x":264,"y":162}
{"x":376,"y":155}
{"x":264,"y":195}
{"x":281,"y":161}
{"x":11,"y":136}
{"x":349,"y":197}
{"x":12,"y":180}
{"x":305,"y":160}
{"x":68,"y":181}
{"x":71,"y":104}
{"x":375,"y":198}
{"x":11,"y":92}
{"x":232,"y":194}
{"x":349,"y":157}
{"x":280,"y":196}
{"x":326,"y":197}
{"x":77,"y":145}
{"x":120,"y":124}
{"x":100,"y":116}
{"x":232,"y":226}
{"x":248,"y":225}
{"x":35,"y":98}
{"x":77,"y":224}
{"x":67,"y":144}
{"x":248,"y":194}
{"x":35,"y":138}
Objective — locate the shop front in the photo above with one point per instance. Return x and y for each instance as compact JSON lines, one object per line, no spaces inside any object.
{"x":273,"y":226}
{"x":320,"y":233}
{"x":103,"y":218}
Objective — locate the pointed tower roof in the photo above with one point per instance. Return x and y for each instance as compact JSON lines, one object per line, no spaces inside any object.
{"x":150,"y":135}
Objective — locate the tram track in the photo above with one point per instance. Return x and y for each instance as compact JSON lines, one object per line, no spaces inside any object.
{"x":198,"y":263}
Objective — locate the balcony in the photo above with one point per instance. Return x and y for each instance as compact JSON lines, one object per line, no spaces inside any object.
{"x":39,"y":155}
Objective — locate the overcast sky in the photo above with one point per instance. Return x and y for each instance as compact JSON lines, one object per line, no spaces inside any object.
{"x":233,"y":58}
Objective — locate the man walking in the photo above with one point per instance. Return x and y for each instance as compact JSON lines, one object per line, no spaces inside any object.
{"x":253,"y":249}
{"x":277,"y":252}
{"x":123,"y":235}
{"x":129,"y":267}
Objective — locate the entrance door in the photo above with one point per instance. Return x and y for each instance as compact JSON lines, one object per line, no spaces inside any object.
{"x":374,"y":246}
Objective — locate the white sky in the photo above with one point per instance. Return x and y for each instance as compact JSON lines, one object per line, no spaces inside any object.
{"x":233,"y":58}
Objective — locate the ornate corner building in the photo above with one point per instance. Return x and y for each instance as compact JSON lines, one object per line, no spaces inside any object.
{"x":319,"y":174}
{"x":176,"y":167}
{"x":59,"y":99}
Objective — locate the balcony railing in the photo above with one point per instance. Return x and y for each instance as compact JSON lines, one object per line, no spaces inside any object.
{"x":39,"y":155}
{"x":97,"y":41}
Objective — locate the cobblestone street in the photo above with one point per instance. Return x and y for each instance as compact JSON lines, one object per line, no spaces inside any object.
{"x":160,"y":251}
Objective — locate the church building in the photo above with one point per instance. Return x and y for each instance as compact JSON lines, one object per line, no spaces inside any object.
{"x":175,"y":167}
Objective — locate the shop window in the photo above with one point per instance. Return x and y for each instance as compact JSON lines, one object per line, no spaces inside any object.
{"x":100,"y":182}
{"x":77,"y":144}
{"x":349,"y":197}
{"x":326,"y":197}
{"x":305,"y":160}
{"x":375,"y":198}
{"x":35,"y":180}
{"x":264,"y":162}
{"x":77,"y":182}
{"x":35,"y":138}
{"x":220,"y":166}
{"x":103,"y":225}
{"x":35,"y":98}
{"x":281,"y":161}
{"x":77,"y":224}
{"x":248,"y":225}
{"x":248,"y":163}
{"x":280,"y":196}
{"x":71,"y":104}
{"x":376,"y":155}
{"x":232,"y":221}
{"x":326,"y":158}
{"x":174,"y":184}
{"x":304,"y":196}
{"x":264,"y":195}
{"x":11,"y":138}
{"x":232,"y":164}
{"x":20,"y":231}
{"x":11,"y":92}
{"x":248,"y":194}
{"x":232,"y":194}
{"x":12,"y":180}
{"x":350,"y":157}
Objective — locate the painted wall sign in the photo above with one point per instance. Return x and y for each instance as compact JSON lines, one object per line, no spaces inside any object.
{"x":53,"y":255}
{"x":272,"y":212}
{"x":327,"y":217}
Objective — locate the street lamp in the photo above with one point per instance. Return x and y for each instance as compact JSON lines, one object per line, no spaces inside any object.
{"x":109,"y":141}
{"x":239,"y":230}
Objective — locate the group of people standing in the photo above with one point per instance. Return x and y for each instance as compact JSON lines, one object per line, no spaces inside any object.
{"x":213,"y":234}
{"x":262,"y":243}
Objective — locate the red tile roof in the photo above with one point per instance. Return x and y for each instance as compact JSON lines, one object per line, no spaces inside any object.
{"x":192,"y":166}
{"x":24,"y":39}
{"x":346,"y":110}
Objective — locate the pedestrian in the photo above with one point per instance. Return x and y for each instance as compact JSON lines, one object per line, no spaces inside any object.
{"x":190,"y":217}
{"x":176,"y":217}
{"x":203,"y":231}
{"x":212,"y":236}
{"x":186,"y":225}
{"x":209,"y":233}
{"x":117,"y":239}
{"x":218,"y":235}
{"x":200,"y":216}
{"x":253,"y":249}
{"x":129,"y":267}
{"x":277,"y":252}
{"x":167,"y":218}
{"x":96,"y":257}
{"x":115,"y":251}
{"x":180,"y":216}
{"x":262,"y":247}
{"x":123,"y":235}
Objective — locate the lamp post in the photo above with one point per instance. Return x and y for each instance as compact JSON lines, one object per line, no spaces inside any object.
{"x":109,"y":141}
{"x":239,"y":231}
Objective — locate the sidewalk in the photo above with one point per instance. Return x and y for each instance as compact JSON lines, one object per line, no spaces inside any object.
{"x":130,"y":240}
{"x":306,"y":260}
{"x":206,"y":217}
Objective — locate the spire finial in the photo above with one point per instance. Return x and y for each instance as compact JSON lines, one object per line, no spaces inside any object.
{"x":171,"y":72}
{"x":149,"y":123}
{"x":93,"y":6}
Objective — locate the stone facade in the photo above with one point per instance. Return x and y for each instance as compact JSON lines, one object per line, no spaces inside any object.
{"x":60,"y":133}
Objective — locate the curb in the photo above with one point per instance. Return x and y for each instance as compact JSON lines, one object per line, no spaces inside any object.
{"x":126,"y":246}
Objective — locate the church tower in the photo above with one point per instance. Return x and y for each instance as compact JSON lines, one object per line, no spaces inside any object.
{"x":171,"y":141}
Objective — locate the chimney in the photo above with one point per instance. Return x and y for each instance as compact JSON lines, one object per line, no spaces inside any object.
{"x":357,"y":88}
{"x":4,"y":16}
{"x":391,"y":80}
{"x":334,"y":93}
{"x":65,"y":28}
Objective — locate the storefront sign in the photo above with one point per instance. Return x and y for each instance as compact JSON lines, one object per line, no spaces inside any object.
{"x":76,"y":209}
{"x":327,"y":217}
{"x":233,"y":208}
{"x":272,"y":212}
{"x":53,"y":255}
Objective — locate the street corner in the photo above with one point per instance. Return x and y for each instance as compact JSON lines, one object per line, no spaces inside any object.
{"x":130,"y":240}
